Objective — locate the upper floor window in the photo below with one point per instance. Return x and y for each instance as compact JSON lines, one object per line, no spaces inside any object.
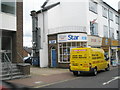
{"x":93,"y":6}
{"x":118,"y":34}
{"x":111,"y":33}
{"x":111,"y":15}
{"x":105,"y":28}
{"x":93,"y":28}
{"x":8,"y":7}
{"x":105,"y":12}
{"x":116,"y":19}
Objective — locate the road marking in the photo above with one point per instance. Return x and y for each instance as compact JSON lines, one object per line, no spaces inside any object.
{"x":114,"y":78}
{"x":55,"y":82}
{"x":38,"y":82}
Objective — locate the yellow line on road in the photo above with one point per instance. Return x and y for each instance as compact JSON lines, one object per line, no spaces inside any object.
{"x":56,"y":82}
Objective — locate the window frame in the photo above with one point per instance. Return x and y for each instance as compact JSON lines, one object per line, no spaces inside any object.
{"x":111,"y":15}
{"x":95,"y":31}
{"x":93,"y":7}
{"x":104,"y":10}
{"x":117,"y":19}
{"x":105,"y":31}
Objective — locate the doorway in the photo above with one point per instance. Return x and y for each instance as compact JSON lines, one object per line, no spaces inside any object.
{"x":6,"y":48}
{"x":53,"y":58}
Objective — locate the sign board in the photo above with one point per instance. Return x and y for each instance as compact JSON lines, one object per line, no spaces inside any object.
{"x":72,"y":37}
{"x":114,"y":43}
{"x":94,"y":41}
{"x":52,"y":42}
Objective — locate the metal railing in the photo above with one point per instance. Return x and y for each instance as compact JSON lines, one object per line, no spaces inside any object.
{"x":8,"y":64}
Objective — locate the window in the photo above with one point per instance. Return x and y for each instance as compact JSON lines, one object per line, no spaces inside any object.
{"x":93,"y":28}
{"x":105,"y":28}
{"x":111,"y":15}
{"x":111,"y":33}
{"x":64,"y":50}
{"x":93,"y":6}
{"x":116,"y":19}
{"x":117,"y":35}
{"x":105,"y":12}
{"x":8,"y":7}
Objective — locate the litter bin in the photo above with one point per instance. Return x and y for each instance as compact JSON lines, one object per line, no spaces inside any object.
{"x":35,"y":61}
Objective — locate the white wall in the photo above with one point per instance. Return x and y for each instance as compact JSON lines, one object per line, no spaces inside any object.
{"x":102,"y":21}
{"x":44,"y":41}
{"x":7,"y":21}
{"x":68,"y":14}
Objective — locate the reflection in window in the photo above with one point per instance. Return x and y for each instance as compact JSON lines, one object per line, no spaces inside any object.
{"x":8,"y":7}
{"x":105,"y":12}
{"x":93,"y":28}
{"x":64,"y":50}
{"x":105,"y":28}
{"x":93,"y":6}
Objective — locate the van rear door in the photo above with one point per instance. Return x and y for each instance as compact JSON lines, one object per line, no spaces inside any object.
{"x":79,"y":59}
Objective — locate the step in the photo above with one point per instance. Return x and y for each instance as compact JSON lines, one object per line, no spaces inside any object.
{"x":16,"y":73}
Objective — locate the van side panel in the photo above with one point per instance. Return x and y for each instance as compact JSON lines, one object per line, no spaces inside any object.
{"x":85,"y":59}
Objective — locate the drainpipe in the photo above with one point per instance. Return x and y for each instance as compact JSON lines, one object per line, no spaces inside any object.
{"x":36,"y":44}
{"x":109,"y":35}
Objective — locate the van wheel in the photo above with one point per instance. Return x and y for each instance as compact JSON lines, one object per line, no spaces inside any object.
{"x":75,"y":73}
{"x":94,"y":72}
{"x":108,"y":68}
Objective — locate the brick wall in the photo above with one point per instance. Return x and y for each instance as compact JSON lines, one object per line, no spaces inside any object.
{"x":19,"y":33}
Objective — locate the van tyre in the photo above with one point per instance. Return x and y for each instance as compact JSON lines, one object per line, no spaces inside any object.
{"x":94,"y":72}
{"x":108,"y":68}
{"x":75,"y":73}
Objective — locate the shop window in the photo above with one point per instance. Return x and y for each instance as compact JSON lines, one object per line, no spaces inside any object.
{"x":68,"y":44}
{"x":64,"y":50}
{"x":78,"y":44}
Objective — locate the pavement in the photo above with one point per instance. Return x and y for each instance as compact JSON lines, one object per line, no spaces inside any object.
{"x":40,"y":77}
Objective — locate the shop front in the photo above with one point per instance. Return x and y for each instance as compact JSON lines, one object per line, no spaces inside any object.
{"x":106,"y":45}
{"x":94,"y":41}
{"x":114,"y":50}
{"x":60,"y":54}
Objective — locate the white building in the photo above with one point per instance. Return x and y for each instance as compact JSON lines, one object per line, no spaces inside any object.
{"x":75,"y":23}
{"x":11,"y":30}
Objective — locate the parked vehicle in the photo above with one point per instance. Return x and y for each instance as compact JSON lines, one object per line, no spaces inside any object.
{"x":27,"y":60}
{"x":88,"y":60}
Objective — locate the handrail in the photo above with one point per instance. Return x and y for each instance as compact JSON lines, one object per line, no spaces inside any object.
{"x":9,"y":64}
{"x":20,"y":55}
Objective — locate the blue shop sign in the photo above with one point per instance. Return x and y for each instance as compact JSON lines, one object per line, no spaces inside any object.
{"x":84,"y":38}
{"x":71,"y":37}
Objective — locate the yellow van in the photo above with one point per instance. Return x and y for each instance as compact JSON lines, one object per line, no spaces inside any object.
{"x":88,"y":60}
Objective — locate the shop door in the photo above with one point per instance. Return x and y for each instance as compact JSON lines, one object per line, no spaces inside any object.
{"x":53,"y":57}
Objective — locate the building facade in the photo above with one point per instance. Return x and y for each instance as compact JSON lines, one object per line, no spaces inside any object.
{"x":11,"y":29}
{"x":71,"y":24}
